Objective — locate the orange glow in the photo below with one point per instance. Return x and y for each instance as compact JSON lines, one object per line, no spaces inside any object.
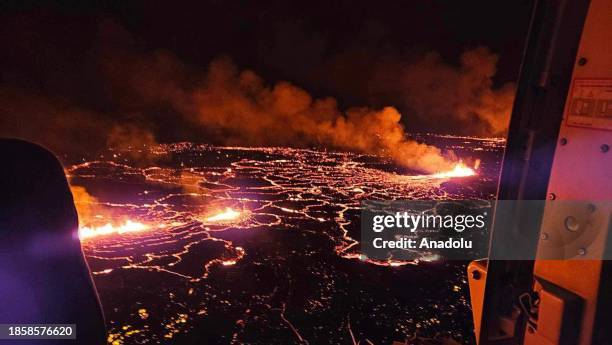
{"x":127,"y":227}
{"x":460,"y":170}
{"x":225,"y":216}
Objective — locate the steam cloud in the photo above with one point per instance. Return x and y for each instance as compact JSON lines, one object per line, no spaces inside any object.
{"x":156,"y":93}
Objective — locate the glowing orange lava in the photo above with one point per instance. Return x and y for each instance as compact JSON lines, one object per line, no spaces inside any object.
{"x":460,"y":170}
{"x":108,"y":229}
{"x":225,"y":216}
{"x":130,"y":226}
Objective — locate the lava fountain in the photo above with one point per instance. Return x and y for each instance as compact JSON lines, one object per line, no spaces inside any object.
{"x":128,"y":226}
{"x":460,"y":170}
{"x":225,"y":216}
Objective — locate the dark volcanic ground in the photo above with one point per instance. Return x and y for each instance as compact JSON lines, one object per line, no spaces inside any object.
{"x":287,"y":269}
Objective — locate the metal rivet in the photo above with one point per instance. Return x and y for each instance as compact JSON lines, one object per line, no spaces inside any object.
{"x":582,"y":251}
{"x":604,"y":148}
{"x":572,"y":224}
{"x":552,"y":196}
{"x":544,"y":236}
{"x":475,"y":275}
{"x":591,"y":208}
{"x":563,"y":141}
{"x":582,"y":61}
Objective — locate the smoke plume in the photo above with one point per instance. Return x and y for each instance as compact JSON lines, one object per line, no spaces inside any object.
{"x":461,"y":96}
{"x":85,"y":203}
{"x":240,"y":107}
{"x":148,"y":96}
{"x":52,"y":122}
{"x":66,"y":128}
{"x":236,"y":107}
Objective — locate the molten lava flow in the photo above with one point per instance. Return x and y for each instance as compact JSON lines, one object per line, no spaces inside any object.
{"x":225,"y":216}
{"x":215,"y":216}
{"x":460,"y":170}
{"x":108,"y":229}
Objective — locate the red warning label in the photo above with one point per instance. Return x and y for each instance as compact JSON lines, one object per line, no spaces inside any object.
{"x":591,"y":103}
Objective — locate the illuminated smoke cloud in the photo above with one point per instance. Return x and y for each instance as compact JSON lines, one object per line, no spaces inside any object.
{"x":85,"y":203}
{"x":462,"y":95}
{"x":133,"y":141}
{"x":151,"y":96}
{"x":240,"y":107}
{"x":234,"y":107}
{"x":66,"y":128}
{"x":54,"y":123}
